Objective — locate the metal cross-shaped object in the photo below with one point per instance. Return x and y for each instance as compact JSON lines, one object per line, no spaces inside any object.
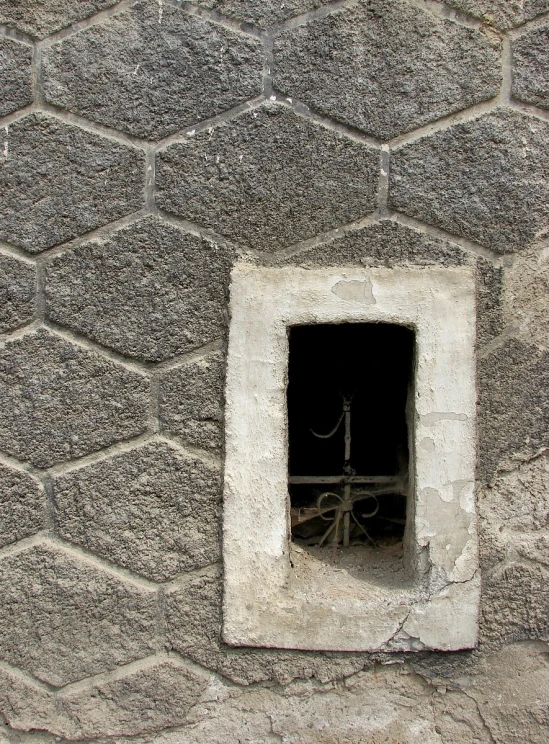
{"x":338,"y":509}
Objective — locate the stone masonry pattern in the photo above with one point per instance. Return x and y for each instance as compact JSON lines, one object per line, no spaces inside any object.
{"x":144,"y":147}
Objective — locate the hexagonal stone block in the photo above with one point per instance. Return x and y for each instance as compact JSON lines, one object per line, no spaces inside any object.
{"x":486,"y":179}
{"x":149,"y":291}
{"x":386,"y":66}
{"x":40,"y":18}
{"x":153,"y":71}
{"x":384,"y":243}
{"x":17,"y":286}
{"x":59,"y":181}
{"x":153,"y":510}
{"x":22,"y":506}
{"x":59,"y":401}
{"x":192,"y":401}
{"x":63,"y":619}
{"x":531,"y":67}
{"x":513,"y":406}
{"x":131,"y":703}
{"x":501,"y":13}
{"x":15,"y":76}
{"x":262,"y":13}
{"x":268,"y":179}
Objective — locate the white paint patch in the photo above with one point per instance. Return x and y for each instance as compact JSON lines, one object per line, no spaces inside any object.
{"x":355,"y":291}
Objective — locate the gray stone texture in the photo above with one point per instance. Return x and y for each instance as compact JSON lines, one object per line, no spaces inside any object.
{"x":39,"y":18}
{"x":26,"y":705}
{"x":155,"y":697}
{"x":268,"y":179}
{"x":149,"y":291}
{"x":505,"y":695}
{"x":525,"y":293}
{"x":23,"y":508}
{"x":192,"y":401}
{"x":531,"y":67}
{"x":145,"y":697}
{"x":261,"y":13}
{"x":511,"y":694}
{"x":59,"y":401}
{"x":514,"y":550}
{"x":15,"y":76}
{"x":17,"y":286}
{"x":514,"y":515}
{"x":386,"y":66}
{"x":515,"y":604}
{"x":489,"y":301}
{"x":513,"y":406}
{"x":502,"y":14}
{"x":59,"y":181}
{"x":384,"y":243}
{"x":193,"y":618}
{"x":486,"y":179}
{"x":153,"y":70}
{"x":153,"y":510}
{"x":63,"y":619}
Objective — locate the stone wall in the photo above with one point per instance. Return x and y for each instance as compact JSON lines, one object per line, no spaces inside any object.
{"x":147,"y":145}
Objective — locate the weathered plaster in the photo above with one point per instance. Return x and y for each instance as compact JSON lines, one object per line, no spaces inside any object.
{"x":278,"y":595}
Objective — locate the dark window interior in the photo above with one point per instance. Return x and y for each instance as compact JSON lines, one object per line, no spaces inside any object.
{"x":357,"y":374}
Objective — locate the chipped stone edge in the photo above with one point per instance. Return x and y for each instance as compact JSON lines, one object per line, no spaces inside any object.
{"x":276,"y":595}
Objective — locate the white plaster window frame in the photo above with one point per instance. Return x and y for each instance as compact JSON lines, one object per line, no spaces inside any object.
{"x":277,"y":595}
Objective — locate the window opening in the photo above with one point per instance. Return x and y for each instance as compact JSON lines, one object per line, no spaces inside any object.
{"x":348,"y":387}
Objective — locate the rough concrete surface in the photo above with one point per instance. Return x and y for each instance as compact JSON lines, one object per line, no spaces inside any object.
{"x":510,"y":613}
{"x":384,"y":243}
{"x":149,"y":291}
{"x":17,"y":289}
{"x":268,"y":179}
{"x":152,"y":510}
{"x":150,"y":698}
{"x":514,"y":411}
{"x":386,"y":66}
{"x":531,"y":67}
{"x":40,"y":18}
{"x":60,"y":401}
{"x":152,"y":71}
{"x":502,"y":14}
{"x":58,"y":181}
{"x":490,"y":321}
{"x":514,"y":514}
{"x":390,"y":704}
{"x":23,"y":505}
{"x":64,"y":619}
{"x":485,"y":179}
{"x":192,"y":401}
{"x":525,"y":292}
{"x":193,"y":622}
{"x":141,"y":697}
{"x":15,"y":76}
{"x":261,"y":13}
